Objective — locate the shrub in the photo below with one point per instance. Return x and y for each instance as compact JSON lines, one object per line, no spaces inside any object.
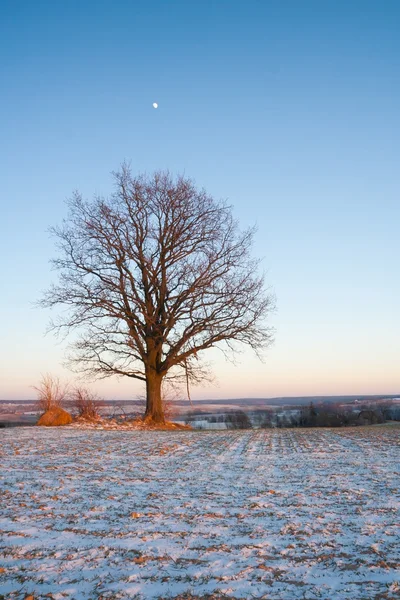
{"x":51,"y":393}
{"x":86,"y":403}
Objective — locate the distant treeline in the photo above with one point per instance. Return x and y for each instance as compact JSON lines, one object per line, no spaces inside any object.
{"x":313,"y":415}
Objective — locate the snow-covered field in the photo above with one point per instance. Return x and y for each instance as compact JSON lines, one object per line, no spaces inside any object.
{"x":288,"y":514}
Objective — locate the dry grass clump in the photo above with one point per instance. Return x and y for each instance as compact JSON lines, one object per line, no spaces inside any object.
{"x":51,"y":394}
{"x":54,"y":417}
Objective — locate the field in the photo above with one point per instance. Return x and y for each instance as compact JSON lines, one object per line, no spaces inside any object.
{"x":276,"y":514}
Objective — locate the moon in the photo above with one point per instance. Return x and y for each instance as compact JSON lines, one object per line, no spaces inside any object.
{"x":155,"y":105}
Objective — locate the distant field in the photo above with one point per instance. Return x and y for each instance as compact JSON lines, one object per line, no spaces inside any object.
{"x":276,"y":514}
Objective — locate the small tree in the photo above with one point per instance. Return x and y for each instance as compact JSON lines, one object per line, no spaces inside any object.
{"x":51,"y":393}
{"x":152,"y":277}
{"x":86,"y":403}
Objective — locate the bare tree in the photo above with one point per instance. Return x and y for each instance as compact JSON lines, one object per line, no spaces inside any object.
{"x":152,"y":277}
{"x":238,"y":419}
{"x":51,"y":393}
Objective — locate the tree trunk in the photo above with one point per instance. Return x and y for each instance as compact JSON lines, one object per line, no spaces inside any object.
{"x":154,"y":407}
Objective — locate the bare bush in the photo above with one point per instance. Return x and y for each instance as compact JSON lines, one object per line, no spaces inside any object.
{"x":86,"y":403}
{"x":51,"y":393}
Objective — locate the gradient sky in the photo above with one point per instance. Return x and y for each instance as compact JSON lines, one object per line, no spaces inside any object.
{"x":289,"y":109}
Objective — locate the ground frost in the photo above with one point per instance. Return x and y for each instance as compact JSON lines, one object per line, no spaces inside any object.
{"x":277,"y":514}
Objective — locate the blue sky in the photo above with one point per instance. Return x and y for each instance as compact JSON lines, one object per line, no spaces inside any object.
{"x":288,"y":109}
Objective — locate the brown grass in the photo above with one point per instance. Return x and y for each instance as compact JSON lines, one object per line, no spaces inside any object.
{"x":55,"y":417}
{"x":147,"y":423}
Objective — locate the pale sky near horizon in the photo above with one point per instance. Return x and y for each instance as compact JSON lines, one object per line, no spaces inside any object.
{"x":288,"y":109}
